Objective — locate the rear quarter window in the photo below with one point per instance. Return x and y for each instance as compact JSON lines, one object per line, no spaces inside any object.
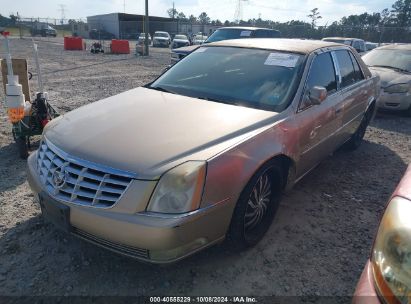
{"x":358,"y":73}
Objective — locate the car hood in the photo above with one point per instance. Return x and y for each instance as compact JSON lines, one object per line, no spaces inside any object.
{"x":389,"y":77}
{"x":187,"y":49}
{"x":147,"y":132}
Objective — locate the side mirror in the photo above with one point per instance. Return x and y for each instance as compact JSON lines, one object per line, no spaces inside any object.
{"x":317,"y":95}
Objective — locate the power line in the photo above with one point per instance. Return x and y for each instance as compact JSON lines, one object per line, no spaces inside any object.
{"x":62,"y":10}
{"x":238,"y":15}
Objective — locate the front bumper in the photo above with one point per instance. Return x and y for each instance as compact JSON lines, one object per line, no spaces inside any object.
{"x":179,"y":45}
{"x":365,"y":292}
{"x":161,"y":42}
{"x":394,"y":101}
{"x":150,"y":237}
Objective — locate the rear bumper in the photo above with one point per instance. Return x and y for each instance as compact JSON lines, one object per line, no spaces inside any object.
{"x":150,"y":237}
{"x":365,"y":292}
{"x":399,"y":102}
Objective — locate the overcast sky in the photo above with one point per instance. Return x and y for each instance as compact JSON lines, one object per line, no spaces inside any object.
{"x":330,"y":10}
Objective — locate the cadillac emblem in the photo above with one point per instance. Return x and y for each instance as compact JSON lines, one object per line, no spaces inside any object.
{"x":59,"y":177}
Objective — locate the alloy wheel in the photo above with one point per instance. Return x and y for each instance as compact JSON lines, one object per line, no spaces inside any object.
{"x":258,"y":204}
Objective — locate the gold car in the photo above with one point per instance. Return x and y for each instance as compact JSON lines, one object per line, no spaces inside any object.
{"x":204,"y":152}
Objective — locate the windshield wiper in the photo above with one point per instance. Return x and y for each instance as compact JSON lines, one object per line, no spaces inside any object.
{"x":392,"y":68}
{"x":161,"y":89}
{"x":236,"y":103}
{"x":402,"y":70}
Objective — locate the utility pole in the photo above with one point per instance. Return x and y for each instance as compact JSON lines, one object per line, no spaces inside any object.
{"x":124,"y":6}
{"x":173,"y":10}
{"x":63,"y":13}
{"x":146,"y":31}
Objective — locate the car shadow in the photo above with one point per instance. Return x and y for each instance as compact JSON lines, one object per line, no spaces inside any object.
{"x":321,"y":237}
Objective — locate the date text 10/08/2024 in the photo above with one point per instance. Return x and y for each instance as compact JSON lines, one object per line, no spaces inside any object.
{"x":203,"y":300}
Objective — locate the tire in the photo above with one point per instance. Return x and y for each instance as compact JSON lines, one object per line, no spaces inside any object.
{"x":408,"y":112}
{"x":257,"y":206}
{"x":356,"y":139}
{"x":22,"y":147}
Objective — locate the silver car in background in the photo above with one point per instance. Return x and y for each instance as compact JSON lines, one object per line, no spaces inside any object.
{"x":393,"y":64}
{"x":204,"y":152}
{"x":199,"y":39}
{"x":180,"y":41}
{"x":161,"y":39}
{"x":357,"y":44}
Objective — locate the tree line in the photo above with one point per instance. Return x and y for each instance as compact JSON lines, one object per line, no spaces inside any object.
{"x":389,"y":25}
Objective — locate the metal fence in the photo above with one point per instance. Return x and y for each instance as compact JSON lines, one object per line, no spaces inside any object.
{"x":130,"y":30}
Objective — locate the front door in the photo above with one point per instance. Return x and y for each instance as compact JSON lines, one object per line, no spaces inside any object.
{"x":318,"y":123}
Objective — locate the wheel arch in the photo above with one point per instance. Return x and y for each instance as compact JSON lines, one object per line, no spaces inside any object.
{"x":287,"y":168}
{"x":372,"y":106}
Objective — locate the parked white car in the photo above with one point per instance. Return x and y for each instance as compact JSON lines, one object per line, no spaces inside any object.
{"x":161,"y":39}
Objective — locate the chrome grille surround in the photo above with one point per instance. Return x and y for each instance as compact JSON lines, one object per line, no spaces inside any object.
{"x":78,"y":181}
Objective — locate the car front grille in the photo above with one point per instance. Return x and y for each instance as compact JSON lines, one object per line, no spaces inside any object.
{"x":120,"y":248}
{"x":79,"y":182}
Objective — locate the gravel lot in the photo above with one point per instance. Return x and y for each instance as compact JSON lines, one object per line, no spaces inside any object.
{"x":317,"y":245}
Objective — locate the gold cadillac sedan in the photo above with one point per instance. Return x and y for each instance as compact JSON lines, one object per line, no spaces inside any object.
{"x":202,"y":153}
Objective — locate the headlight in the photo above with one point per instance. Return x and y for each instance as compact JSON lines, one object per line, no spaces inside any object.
{"x":398,"y":88}
{"x":391,"y":258}
{"x":179,"y":190}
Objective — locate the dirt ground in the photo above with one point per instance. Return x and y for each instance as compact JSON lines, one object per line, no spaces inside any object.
{"x":317,"y":245}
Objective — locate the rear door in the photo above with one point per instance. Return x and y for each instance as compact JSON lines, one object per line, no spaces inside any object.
{"x":318,"y":123}
{"x":354,"y":93}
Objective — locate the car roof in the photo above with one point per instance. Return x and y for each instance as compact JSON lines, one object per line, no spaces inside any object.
{"x":247,"y":28}
{"x":396,"y":47}
{"x":342,"y":38}
{"x":160,"y":32}
{"x":285,"y":45}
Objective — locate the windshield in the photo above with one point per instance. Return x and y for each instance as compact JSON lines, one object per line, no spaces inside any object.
{"x":226,"y":34}
{"x":247,"y":77}
{"x":161,"y":35}
{"x":396,"y":59}
{"x":182,"y":37}
{"x":143,"y":35}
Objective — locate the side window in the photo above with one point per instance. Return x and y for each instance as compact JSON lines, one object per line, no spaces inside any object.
{"x":362,"y":46}
{"x":346,"y":68}
{"x":358,"y":73}
{"x":260,"y":34}
{"x":322,"y":73}
{"x":356,"y":45}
